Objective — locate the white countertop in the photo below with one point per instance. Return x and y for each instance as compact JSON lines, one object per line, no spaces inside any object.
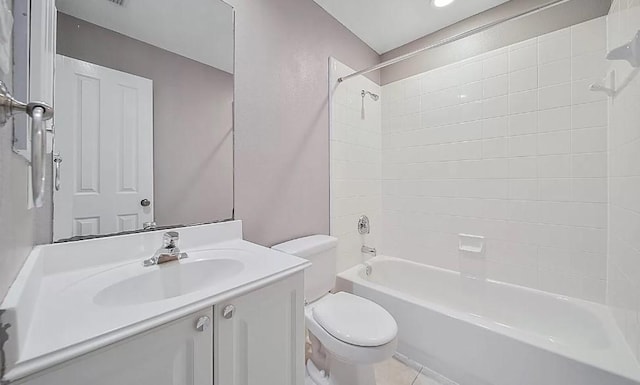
{"x":53,"y":310}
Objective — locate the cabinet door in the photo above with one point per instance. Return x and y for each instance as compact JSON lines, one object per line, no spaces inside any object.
{"x":172,"y":354}
{"x":262,"y":341}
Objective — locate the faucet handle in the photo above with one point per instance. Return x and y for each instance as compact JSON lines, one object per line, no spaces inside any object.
{"x":170,"y":239}
{"x":149,"y":226}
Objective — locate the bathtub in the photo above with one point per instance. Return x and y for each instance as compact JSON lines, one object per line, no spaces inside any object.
{"x":484,"y":332}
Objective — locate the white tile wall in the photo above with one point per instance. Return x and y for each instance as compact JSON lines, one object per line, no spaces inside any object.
{"x":510,"y":145}
{"x":356,"y":161}
{"x":623,"y":293}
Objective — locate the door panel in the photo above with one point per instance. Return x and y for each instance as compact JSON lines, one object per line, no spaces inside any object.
{"x":263,"y":342}
{"x":104,"y":133}
{"x":87,"y":135}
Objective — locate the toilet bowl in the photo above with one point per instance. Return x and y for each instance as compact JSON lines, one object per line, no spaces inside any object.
{"x":349,"y":334}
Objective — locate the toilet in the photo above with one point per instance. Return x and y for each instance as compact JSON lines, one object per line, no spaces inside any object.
{"x":349,"y":334}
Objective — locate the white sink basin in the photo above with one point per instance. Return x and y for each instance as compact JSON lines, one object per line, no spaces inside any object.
{"x":172,"y":279}
{"x":73,"y":298}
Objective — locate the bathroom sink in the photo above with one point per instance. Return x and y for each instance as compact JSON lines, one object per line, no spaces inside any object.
{"x":166,"y":281}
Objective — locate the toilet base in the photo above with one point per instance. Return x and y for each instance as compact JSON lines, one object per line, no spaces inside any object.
{"x":315,"y":376}
{"x":340,"y":373}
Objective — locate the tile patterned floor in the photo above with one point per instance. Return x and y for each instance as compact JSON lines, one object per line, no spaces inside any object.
{"x":396,"y":372}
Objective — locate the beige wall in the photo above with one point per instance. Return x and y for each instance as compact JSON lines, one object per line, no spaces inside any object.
{"x":282,"y":115}
{"x":561,"y":16}
{"x":193,"y":153}
{"x":282,"y":138}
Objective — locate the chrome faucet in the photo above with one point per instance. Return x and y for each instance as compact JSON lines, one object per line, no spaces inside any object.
{"x":369,"y":250}
{"x":168,"y":252}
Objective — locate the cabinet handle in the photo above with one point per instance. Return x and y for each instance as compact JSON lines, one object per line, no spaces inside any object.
{"x":227,"y":312}
{"x":202,"y":323}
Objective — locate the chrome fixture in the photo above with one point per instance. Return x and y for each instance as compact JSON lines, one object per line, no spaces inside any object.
{"x":453,"y":38}
{"x":369,"y":250}
{"x":169,"y":251}
{"x":203,"y":323}
{"x":227,"y":312}
{"x":608,"y":85}
{"x":373,"y":96}
{"x":39,"y":113}
{"x":597,"y":87}
{"x":629,"y":52}
{"x":9,"y":106}
{"x":57,"y":159}
{"x":364,"y":226}
{"x":149,"y":226}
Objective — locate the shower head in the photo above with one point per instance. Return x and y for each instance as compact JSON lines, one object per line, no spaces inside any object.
{"x":373,"y":96}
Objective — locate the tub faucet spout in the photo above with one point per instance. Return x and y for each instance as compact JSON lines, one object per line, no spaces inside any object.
{"x":369,"y":251}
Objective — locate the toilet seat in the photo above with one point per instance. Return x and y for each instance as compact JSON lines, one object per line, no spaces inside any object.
{"x":346,"y":352}
{"x":348,"y":334}
{"x":355,"y":320}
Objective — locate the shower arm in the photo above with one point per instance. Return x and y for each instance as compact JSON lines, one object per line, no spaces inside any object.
{"x":453,"y":38}
{"x":373,"y":96}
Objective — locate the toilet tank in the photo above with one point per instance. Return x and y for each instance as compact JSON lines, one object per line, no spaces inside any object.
{"x":321,"y":251}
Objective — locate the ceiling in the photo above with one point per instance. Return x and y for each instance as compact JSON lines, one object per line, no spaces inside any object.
{"x":385,"y":25}
{"x":201,"y":30}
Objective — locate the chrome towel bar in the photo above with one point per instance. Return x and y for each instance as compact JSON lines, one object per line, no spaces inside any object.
{"x":39,"y":112}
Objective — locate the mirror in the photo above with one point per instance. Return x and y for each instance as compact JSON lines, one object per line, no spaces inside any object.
{"x":144,"y":115}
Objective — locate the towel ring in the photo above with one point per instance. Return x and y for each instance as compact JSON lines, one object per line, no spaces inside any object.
{"x":39,"y":112}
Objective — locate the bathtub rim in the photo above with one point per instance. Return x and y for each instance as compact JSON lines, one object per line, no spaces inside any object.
{"x":629,"y":368}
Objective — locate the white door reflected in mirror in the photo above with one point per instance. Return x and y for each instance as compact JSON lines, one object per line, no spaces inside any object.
{"x":104,"y":130}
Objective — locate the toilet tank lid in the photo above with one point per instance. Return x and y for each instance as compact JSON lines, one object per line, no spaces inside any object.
{"x":304,"y":247}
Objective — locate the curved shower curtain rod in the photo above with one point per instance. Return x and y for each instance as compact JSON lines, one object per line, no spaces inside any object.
{"x":453,"y":38}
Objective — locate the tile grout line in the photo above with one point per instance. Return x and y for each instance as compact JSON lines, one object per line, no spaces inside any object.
{"x":417,"y":375}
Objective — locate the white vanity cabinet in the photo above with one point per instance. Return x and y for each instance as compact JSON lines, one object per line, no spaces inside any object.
{"x":259,"y":340}
{"x":173,"y":354}
{"x":259,"y":337}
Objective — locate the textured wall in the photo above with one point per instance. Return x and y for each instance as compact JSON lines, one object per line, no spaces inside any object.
{"x":193,"y":134}
{"x":282,"y":115}
{"x":510,"y":145}
{"x":562,"y":16}
{"x":624,"y":180}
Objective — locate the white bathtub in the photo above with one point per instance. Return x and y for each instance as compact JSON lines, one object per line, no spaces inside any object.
{"x":479,"y":332}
